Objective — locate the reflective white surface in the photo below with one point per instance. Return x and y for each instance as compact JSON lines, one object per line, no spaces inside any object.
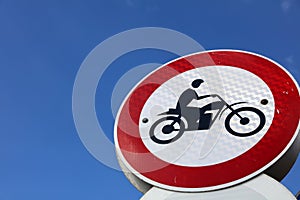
{"x":216,"y":145}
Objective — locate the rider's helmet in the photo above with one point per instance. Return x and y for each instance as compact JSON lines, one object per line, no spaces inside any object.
{"x":196,"y":83}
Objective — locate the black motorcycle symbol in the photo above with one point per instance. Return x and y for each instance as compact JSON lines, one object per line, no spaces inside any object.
{"x":174,"y":121}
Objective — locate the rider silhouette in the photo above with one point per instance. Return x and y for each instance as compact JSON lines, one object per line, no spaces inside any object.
{"x":193,"y":114}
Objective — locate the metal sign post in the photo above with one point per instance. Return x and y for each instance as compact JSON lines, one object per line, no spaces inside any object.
{"x":262,"y":187}
{"x":209,"y":121}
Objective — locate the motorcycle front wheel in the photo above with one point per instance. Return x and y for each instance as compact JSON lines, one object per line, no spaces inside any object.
{"x":244,"y":121}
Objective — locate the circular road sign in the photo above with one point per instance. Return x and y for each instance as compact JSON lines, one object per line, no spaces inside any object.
{"x":208,"y":120}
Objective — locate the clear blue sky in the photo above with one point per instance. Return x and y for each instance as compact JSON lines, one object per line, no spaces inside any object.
{"x":42,"y":44}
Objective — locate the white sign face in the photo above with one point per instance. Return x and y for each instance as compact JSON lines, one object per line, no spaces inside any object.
{"x":208,"y":121}
{"x":205,"y":142}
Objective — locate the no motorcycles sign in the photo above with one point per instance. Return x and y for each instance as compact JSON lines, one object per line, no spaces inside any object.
{"x":208,"y":120}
